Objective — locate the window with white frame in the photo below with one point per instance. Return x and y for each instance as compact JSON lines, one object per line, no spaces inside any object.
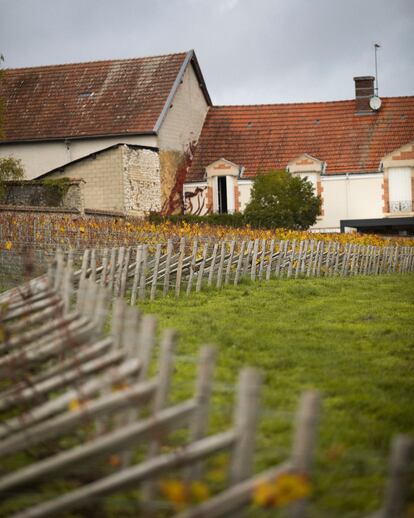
{"x":399,"y":185}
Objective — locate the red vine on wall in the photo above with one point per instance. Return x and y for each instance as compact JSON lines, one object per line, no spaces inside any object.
{"x":175,"y":200}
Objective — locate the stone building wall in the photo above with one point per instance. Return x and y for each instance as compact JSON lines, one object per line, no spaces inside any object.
{"x":38,"y":194}
{"x":141,"y":181}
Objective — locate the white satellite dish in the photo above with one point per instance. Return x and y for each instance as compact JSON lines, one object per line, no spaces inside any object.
{"x":375,"y":103}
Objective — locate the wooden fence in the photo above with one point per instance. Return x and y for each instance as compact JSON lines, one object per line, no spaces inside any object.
{"x":63,"y":374}
{"x":150,"y":271}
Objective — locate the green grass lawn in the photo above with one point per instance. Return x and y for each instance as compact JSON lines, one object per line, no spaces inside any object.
{"x":353,"y":339}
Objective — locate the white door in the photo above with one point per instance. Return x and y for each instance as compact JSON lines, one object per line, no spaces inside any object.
{"x":230,"y":194}
{"x":399,"y":182}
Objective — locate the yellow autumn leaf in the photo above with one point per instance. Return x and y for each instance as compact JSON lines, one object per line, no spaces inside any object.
{"x":264,"y":494}
{"x":175,"y":492}
{"x":76,"y":405}
{"x":199,"y":491}
{"x":8,"y":245}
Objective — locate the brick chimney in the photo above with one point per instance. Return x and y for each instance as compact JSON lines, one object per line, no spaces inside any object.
{"x":364,"y":90}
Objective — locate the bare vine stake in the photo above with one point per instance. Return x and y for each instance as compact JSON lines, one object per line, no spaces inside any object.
{"x":279,"y":263}
{"x":322,"y":248}
{"x":192,"y":266}
{"x":167,"y":267}
{"x":221,"y":264}
{"x":304,"y":257}
{"x":262,"y":259}
{"x":254,"y":260}
{"x":395,"y":259}
{"x":92,"y":275}
{"x":212,"y":265}
{"x":291,"y":259}
{"x":104,"y":267}
{"x":239,"y":263}
{"x":297,"y":269}
{"x":270,"y":260}
{"x":59,"y":269}
{"x":344,"y":260}
{"x":230,"y":262}
{"x":137,"y":273}
{"x":247,"y":258}
{"x":68,"y":284}
{"x":124,"y":275}
{"x":118,"y":272}
{"x":309,"y":265}
{"x":180,"y":267}
{"x":201,"y":268}
{"x":155,"y":272}
{"x":112,"y":269}
{"x":143,"y":279}
{"x":327,"y":258}
{"x":377,"y":260}
{"x":82,"y":279}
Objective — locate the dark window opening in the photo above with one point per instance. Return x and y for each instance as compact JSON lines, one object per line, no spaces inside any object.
{"x":222,"y":194}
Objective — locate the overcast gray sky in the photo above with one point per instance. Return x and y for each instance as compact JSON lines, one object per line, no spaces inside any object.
{"x":250,"y":51}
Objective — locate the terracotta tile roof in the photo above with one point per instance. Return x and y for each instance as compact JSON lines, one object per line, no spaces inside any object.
{"x":52,"y":102}
{"x":261,"y":137}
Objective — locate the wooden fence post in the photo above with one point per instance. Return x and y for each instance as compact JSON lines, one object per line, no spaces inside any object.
{"x":165,"y":371}
{"x":291,"y":259}
{"x":262,"y":258}
{"x":192,"y":266}
{"x":199,"y":422}
{"x":155,"y":272}
{"x":104,"y":267}
{"x":143,"y":273}
{"x":304,"y":442}
{"x":201,"y":268}
{"x":270,"y":260}
{"x":118,"y":272}
{"x":221,"y":264}
{"x":229,"y":262}
{"x":239,"y":263}
{"x":246,"y":418}
{"x":167,"y":267}
{"x":399,"y":477}
{"x":309,"y":268}
{"x":212,"y":265}
{"x":112,"y":269}
{"x":247,"y":258}
{"x":137,"y":273}
{"x":124,"y":272}
{"x":180,"y":267}
{"x":254,"y":260}
{"x":283,"y":247}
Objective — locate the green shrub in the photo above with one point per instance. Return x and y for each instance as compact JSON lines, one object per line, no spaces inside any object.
{"x":280,"y":200}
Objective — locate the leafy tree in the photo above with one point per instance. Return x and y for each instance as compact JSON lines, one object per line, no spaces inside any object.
{"x":280,"y":200}
{"x":10,"y":169}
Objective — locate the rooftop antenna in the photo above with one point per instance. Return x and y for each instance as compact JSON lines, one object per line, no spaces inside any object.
{"x":376,"y":47}
{"x":375,"y":101}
